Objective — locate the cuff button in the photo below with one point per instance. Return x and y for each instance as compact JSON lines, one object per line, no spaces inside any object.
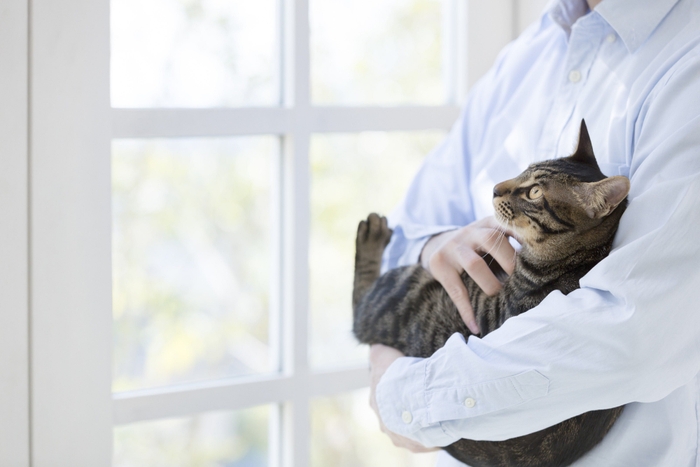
{"x":406,"y":417}
{"x":469,"y":402}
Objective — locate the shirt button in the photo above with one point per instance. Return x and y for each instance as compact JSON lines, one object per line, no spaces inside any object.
{"x":611,"y":38}
{"x":575,"y":76}
{"x":406,"y":417}
{"x":469,"y":402}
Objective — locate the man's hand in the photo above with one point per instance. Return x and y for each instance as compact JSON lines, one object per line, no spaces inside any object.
{"x":380,"y":357}
{"x":448,"y":254}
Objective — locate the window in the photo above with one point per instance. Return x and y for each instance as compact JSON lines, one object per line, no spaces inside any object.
{"x":207,"y":198}
{"x":249,"y":138}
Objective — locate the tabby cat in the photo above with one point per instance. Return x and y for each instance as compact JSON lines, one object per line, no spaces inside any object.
{"x":565,"y":213}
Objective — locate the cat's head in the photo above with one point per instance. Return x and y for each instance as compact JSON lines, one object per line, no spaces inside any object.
{"x":554,"y":204}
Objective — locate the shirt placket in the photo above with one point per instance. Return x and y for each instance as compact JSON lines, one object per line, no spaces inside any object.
{"x":582,"y":48}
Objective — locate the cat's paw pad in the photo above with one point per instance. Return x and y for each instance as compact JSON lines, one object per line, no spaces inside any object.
{"x":373,"y":232}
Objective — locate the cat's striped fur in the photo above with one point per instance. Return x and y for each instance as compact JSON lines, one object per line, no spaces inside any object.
{"x":565,"y":214}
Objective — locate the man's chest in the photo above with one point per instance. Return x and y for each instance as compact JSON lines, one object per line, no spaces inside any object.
{"x":537,"y":113}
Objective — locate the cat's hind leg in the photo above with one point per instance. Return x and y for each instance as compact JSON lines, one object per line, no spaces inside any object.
{"x":373,"y":236}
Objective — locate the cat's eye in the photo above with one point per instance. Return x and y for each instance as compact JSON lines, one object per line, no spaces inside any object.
{"x":535,"y":192}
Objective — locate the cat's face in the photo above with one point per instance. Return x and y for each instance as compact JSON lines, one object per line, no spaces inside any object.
{"x":553,"y":202}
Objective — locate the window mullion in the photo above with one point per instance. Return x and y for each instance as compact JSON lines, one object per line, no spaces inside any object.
{"x":234,"y":394}
{"x":296,"y":220}
{"x":197,"y":123}
{"x":460,"y":56}
{"x":210,"y":122}
{"x":448,"y":38}
{"x":296,"y":59}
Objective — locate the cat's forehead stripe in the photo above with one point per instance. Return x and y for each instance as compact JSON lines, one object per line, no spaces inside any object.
{"x":536,"y":175}
{"x":540,"y":174}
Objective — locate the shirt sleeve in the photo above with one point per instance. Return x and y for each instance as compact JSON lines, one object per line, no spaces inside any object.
{"x":631,"y":333}
{"x":438,"y":199}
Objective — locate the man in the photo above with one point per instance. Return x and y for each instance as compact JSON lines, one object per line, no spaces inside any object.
{"x":631,"y":334}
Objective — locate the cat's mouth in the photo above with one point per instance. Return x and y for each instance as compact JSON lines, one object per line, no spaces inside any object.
{"x":505,"y":218}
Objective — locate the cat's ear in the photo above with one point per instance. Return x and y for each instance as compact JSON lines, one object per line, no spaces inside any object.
{"x":601,"y":198}
{"x":584,"y":150}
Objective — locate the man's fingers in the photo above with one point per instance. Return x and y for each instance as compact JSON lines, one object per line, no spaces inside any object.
{"x":491,"y":223}
{"x":498,"y":246}
{"x":504,"y":254}
{"x":452,"y":282}
{"x":478,"y":270}
{"x":401,"y":442}
{"x":398,"y":440}
{"x":448,"y":254}
{"x":381,"y":357}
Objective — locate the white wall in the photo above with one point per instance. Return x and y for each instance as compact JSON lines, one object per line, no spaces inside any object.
{"x":489,"y":29}
{"x":491,"y":25}
{"x":526,"y":12}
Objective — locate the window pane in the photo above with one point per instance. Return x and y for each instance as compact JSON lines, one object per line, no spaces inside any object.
{"x":194,"y":53}
{"x":376,"y":52}
{"x":352,"y":175}
{"x":345,"y":433}
{"x":213,"y":439}
{"x":191,"y":259}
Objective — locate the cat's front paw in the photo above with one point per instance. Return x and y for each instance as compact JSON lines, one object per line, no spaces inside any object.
{"x":373,"y":236}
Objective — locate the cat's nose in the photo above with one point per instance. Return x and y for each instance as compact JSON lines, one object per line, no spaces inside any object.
{"x":500,"y":190}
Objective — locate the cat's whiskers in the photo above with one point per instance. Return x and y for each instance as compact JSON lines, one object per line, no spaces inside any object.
{"x":505,"y":228}
{"x":488,"y":239}
{"x":515,"y":253}
{"x":493,"y":232}
{"x":502,"y":235}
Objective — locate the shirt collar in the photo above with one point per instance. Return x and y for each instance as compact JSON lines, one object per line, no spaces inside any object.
{"x":634,"y":20}
{"x":566,"y":12}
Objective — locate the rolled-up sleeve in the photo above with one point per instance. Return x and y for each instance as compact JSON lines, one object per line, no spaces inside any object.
{"x":631,"y":333}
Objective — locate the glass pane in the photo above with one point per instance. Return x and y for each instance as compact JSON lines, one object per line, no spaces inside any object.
{"x":213,"y":439}
{"x":352,"y":175}
{"x":345,"y":433}
{"x":191,"y":259}
{"x":376,"y":52}
{"x":194,"y":53}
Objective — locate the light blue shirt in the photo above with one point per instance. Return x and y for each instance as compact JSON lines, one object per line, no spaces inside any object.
{"x":631,"y":334}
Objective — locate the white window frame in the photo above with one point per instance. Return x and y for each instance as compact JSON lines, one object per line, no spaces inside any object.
{"x":56,"y":126}
{"x":69,"y":230}
{"x":14,"y":231}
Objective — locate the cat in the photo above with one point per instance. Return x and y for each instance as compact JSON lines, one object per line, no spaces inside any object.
{"x":564,"y":213}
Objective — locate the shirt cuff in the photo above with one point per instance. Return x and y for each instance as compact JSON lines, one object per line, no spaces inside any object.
{"x":401,"y":398}
{"x":423,"y":398}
